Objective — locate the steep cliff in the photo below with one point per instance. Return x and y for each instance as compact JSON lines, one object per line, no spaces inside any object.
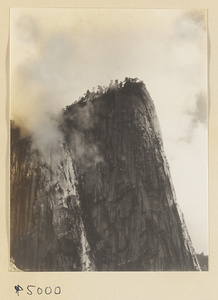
{"x":103,"y":199}
{"x":47,"y":231}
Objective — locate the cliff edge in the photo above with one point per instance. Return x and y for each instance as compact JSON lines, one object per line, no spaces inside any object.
{"x":105,"y":200}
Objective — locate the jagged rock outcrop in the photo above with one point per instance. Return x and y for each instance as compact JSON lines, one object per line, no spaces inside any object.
{"x":104,"y":199}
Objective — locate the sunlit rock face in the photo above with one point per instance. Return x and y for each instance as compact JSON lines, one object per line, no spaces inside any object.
{"x":103,"y":198}
{"x":47,"y":232}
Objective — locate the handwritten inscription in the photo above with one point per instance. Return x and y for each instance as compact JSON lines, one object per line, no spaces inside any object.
{"x":32,"y":289}
{"x":18,"y":289}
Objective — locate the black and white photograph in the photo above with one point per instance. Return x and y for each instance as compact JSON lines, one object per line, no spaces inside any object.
{"x":108,"y":140}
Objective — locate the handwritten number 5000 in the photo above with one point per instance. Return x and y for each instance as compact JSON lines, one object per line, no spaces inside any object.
{"x":31,"y":289}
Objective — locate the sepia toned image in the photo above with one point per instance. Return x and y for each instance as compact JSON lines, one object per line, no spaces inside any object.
{"x":108,"y":140}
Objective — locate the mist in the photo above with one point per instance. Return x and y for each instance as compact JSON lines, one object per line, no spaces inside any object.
{"x":57,"y":54}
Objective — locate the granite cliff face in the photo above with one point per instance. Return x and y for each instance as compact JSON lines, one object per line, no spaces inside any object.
{"x":47,"y":231}
{"x":103,"y":199}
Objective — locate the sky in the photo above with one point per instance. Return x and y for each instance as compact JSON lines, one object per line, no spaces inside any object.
{"x":57,"y":54}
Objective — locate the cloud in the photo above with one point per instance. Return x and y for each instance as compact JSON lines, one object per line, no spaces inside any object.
{"x":199,"y":115}
{"x":190,"y":25}
{"x":42,"y":82}
{"x":46,"y":136}
{"x":50,"y":70}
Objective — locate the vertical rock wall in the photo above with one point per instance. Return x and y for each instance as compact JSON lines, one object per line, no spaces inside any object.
{"x":47,"y":232}
{"x":129,"y":206}
{"x":102,"y":200}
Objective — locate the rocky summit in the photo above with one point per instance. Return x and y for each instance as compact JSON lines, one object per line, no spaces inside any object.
{"x":102,"y":199}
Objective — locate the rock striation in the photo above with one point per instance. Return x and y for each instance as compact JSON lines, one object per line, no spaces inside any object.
{"x":103,"y":199}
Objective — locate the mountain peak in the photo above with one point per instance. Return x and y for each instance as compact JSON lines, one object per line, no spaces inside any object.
{"x":109,"y":202}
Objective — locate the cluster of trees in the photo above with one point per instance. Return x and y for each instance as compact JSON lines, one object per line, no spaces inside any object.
{"x":104,"y":89}
{"x":113,"y":85}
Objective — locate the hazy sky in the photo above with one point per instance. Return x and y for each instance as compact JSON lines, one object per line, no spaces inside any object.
{"x":57,"y":54}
